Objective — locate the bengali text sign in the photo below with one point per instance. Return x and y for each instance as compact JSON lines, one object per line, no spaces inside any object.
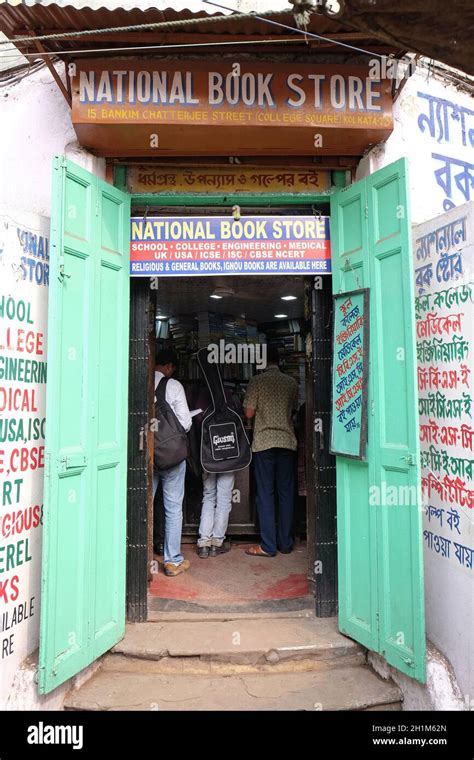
{"x":350,"y":374}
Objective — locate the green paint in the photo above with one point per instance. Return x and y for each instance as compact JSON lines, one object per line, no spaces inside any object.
{"x":120,"y":177}
{"x":381,"y":595}
{"x":84,"y":538}
{"x":249,"y":199}
{"x":338,"y":179}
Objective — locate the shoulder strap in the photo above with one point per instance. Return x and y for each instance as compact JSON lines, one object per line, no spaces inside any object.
{"x":213,"y":379}
{"x":161,"y":390}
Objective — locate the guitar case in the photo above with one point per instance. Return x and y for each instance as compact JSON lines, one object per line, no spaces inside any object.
{"x":224,"y":443}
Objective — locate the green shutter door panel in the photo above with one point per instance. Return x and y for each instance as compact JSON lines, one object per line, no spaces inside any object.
{"x":396,"y":442}
{"x":357,"y":545}
{"x":84,"y":532}
{"x":381,"y":599}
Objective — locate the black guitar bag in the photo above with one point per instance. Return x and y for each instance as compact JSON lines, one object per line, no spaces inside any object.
{"x":224,"y":443}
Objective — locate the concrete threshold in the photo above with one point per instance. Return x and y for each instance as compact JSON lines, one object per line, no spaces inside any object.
{"x":246,"y":641}
{"x":353,"y":688}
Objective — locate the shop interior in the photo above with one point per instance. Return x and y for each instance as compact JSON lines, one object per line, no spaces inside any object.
{"x":191,"y":313}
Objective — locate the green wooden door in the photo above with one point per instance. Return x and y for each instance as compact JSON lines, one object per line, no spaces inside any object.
{"x":380,"y":561}
{"x":84,"y":532}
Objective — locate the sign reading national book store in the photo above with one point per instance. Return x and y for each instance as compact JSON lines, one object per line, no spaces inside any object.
{"x":124,"y":107}
{"x":197,"y":245}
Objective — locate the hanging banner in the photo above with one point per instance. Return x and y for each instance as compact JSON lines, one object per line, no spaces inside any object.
{"x":223,"y":245}
{"x":350,"y":374}
{"x":230,"y":179}
{"x":146,"y":107}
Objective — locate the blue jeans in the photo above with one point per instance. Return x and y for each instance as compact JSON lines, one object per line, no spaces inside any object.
{"x":275,"y":473}
{"x":216,"y":506}
{"x":173,"y":493}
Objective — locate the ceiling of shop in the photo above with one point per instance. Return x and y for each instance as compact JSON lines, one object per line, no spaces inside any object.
{"x":255,"y":297}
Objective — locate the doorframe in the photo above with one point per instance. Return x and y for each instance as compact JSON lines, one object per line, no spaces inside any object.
{"x":138,"y":480}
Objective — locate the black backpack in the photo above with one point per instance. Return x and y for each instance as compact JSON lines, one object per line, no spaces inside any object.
{"x":224,"y":443}
{"x":171,"y":440}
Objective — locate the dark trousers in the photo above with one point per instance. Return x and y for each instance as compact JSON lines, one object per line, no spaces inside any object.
{"x":275,"y":476}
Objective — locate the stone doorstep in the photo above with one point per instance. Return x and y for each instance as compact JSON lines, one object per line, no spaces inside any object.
{"x":205,"y":666}
{"x":225,"y":616}
{"x":351,"y":688}
{"x":247,"y":641}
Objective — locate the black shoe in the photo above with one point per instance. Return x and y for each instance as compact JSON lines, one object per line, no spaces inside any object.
{"x":203,"y":552}
{"x":159,"y":549}
{"x":215,"y":550}
{"x":285,"y":551}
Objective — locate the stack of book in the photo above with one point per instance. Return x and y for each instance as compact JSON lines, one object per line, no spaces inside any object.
{"x":252,"y":332}
{"x":295,"y":366}
{"x":228,"y":327}
{"x":240,"y":329}
{"x":183,"y":331}
{"x":209,"y":328}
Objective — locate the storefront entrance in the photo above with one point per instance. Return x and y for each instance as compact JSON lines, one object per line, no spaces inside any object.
{"x":97,"y":492}
{"x":248,"y":313}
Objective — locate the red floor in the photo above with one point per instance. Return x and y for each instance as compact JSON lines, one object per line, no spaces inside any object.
{"x":235,"y":577}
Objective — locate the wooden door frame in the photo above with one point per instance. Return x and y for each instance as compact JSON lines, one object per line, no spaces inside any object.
{"x":320,"y":508}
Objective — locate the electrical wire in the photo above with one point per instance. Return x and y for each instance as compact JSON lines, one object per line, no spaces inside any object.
{"x":139,"y":27}
{"x":303,"y":32}
{"x":149,"y":47}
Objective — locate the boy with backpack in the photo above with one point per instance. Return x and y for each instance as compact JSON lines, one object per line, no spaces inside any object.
{"x":170,"y":453}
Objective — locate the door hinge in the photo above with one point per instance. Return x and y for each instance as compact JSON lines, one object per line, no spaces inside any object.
{"x":97,"y":208}
{"x":372,"y":407}
{"x":366,"y":211}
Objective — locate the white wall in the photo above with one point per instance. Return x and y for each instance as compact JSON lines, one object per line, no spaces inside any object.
{"x":34,"y":126}
{"x":413,"y":138}
{"x":434,"y":129}
{"x":23,"y":338}
{"x":444,"y":289}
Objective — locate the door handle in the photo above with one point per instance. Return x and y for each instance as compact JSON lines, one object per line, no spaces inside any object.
{"x":71,"y":462}
{"x":62,"y":274}
{"x":409,"y":459}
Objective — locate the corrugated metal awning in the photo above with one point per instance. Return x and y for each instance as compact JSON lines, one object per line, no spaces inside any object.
{"x":20,"y":18}
{"x":438,"y":30}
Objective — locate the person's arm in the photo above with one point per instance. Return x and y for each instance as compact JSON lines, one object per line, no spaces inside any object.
{"x":251,"y":399}
{"x":180,"y":406}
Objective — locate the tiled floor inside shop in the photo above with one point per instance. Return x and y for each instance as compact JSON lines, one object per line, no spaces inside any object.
{"x":235,"y":577}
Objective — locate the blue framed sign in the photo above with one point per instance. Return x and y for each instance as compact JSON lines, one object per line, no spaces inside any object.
{"x":197,"y":245}
{"x":350,"y":372}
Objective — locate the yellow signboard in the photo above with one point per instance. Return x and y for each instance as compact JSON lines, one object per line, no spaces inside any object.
{"x":231,"y":179}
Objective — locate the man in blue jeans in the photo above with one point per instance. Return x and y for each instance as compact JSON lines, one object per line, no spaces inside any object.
{"x":271,"y":399}
{"x":173,"y":479}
